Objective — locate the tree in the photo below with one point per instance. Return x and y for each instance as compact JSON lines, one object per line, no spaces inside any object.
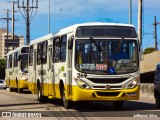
{"x":2,"y":69}
{"x":149,"y":50}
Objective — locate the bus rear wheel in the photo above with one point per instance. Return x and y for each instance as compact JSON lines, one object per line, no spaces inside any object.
{"x":20,"y":90}
{"x":10,"y":89}
{"x":157,"y":98}
{"x":118,"y":104}
{"x":67,"y":103}
{"x":41,"y":98}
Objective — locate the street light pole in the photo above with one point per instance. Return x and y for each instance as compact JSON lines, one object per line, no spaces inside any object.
{"x":49,"y":18}
{"x":130,"y":11}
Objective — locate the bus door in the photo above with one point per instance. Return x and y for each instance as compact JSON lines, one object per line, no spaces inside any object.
{"x":69,"y":70}
{"x":51,"y":91}
{"x":34,"y":87}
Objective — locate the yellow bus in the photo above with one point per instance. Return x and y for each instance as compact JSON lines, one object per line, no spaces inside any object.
{"x":86,"y":62}
{"x":17,"y":69}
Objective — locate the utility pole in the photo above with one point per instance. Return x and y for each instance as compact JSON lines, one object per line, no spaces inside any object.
{"x":130,"y":11}
{"x":49,"y":18}
{"x":155,"y":32}
{"x":13,"y":19}
{"x":7,"y":19}
{"x":27,"y":8}
{"x":140,"y":21}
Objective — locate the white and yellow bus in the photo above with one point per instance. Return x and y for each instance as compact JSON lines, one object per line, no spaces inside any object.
{"x":86,"y":62}
{"x":17,"y":69}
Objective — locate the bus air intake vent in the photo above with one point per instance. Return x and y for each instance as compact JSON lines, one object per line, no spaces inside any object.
{"x":108,"y":93}
{"x":107,"y":80}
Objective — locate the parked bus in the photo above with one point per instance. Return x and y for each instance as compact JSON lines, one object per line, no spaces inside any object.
{"x":86,"y":62}
{"x":17,"y":69}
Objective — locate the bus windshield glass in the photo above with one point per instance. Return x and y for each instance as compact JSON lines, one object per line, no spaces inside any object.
{"x":106,"y":31}
{"x":24,"y":63}
{"x":107,"y":56}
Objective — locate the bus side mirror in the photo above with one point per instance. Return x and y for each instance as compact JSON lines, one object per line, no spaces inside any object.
{"x":70,"y":43}
{"x":19,"y":57}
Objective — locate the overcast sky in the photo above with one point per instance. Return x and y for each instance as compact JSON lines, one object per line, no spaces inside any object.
{"x":68,"y":12}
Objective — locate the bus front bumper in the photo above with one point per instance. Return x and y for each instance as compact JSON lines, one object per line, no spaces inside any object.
{"x":79,"y":94}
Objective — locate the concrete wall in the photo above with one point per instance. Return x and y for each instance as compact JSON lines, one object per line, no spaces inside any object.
{"x":149,"y":62}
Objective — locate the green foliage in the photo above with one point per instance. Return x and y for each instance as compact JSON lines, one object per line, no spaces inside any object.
{"x":149,"y":50}
{"x":2,"y":69}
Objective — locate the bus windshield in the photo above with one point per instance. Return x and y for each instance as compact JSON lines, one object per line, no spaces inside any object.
{"x":114,"y":56}
{"x":24,"y":63}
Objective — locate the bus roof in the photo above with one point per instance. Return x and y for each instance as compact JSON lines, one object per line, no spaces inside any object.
{"x":15,"y":50}
{"x":73,"y":27}
{"x":41,"y":39}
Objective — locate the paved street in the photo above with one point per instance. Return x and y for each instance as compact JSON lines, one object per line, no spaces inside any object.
{"x":27,"y":102}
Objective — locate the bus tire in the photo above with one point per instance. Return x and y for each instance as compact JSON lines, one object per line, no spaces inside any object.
{"x":41,"y":98}
{"x":10,"y":89}
{"x":20,"y":90}
{"x":118,"y":104}
{"x":66,"y":103}
{"x":157,"y":100}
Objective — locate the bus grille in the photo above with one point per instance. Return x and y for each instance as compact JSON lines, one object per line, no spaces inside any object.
{"x":107,"y":93}
{"x":107,"y":80}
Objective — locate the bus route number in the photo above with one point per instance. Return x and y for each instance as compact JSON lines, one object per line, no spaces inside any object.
{"x":81,"y":75}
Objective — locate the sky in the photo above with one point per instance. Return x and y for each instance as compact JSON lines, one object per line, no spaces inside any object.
{"x":64,"y":13}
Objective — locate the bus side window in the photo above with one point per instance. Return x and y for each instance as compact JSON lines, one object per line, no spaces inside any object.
{"x":31,"y":56}
{"x":44,"y":52}
{"x":56,"y":50}
{"x":16,"y":59}
{"x":39,"y":54}
{"x":63,"y":48}
{"x":10,"y":61}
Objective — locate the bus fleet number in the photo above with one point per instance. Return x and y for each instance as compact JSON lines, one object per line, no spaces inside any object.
{"x":81,"y":75}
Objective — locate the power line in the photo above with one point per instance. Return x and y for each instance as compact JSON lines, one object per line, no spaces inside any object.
{"x":28,"y":15}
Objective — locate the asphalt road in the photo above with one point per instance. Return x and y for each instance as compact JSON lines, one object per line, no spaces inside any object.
{"x":27,"y":104}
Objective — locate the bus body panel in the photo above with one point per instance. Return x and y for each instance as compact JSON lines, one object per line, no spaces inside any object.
{"x":71,"y":73}
{"x":14,"y":68}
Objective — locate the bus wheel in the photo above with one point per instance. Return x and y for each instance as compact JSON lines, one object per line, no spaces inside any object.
{"x":20,"y":90}
{"x":67,"y":103}
{"x":41,"y":98}
{"x":157,"y":98}
{"x":118,"y":104}
{"x":10,"y":89}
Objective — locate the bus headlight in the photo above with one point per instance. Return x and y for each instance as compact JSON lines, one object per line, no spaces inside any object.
{"x":23,"y":78}
{"x":133,"y":83}
{"x":81,"y":83}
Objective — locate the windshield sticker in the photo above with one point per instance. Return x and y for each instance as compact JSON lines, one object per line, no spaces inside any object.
{"x":111,"y":70}
{"x":87,"y":66}
{"x":101,"y":67}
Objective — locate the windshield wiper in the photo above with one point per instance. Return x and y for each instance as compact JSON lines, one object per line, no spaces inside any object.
{"x":119,"y":45}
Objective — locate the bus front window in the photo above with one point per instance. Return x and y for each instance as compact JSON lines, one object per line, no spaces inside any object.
{"x":24,"y":63}
{"x":106,"y":56}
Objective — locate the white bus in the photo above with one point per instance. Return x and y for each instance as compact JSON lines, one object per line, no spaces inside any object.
{"x":17,"y":69}
{"x":87,"y":62}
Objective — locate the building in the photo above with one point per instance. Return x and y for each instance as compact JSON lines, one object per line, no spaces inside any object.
{"x":1,"y":31}
{"x":10,"y":44}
